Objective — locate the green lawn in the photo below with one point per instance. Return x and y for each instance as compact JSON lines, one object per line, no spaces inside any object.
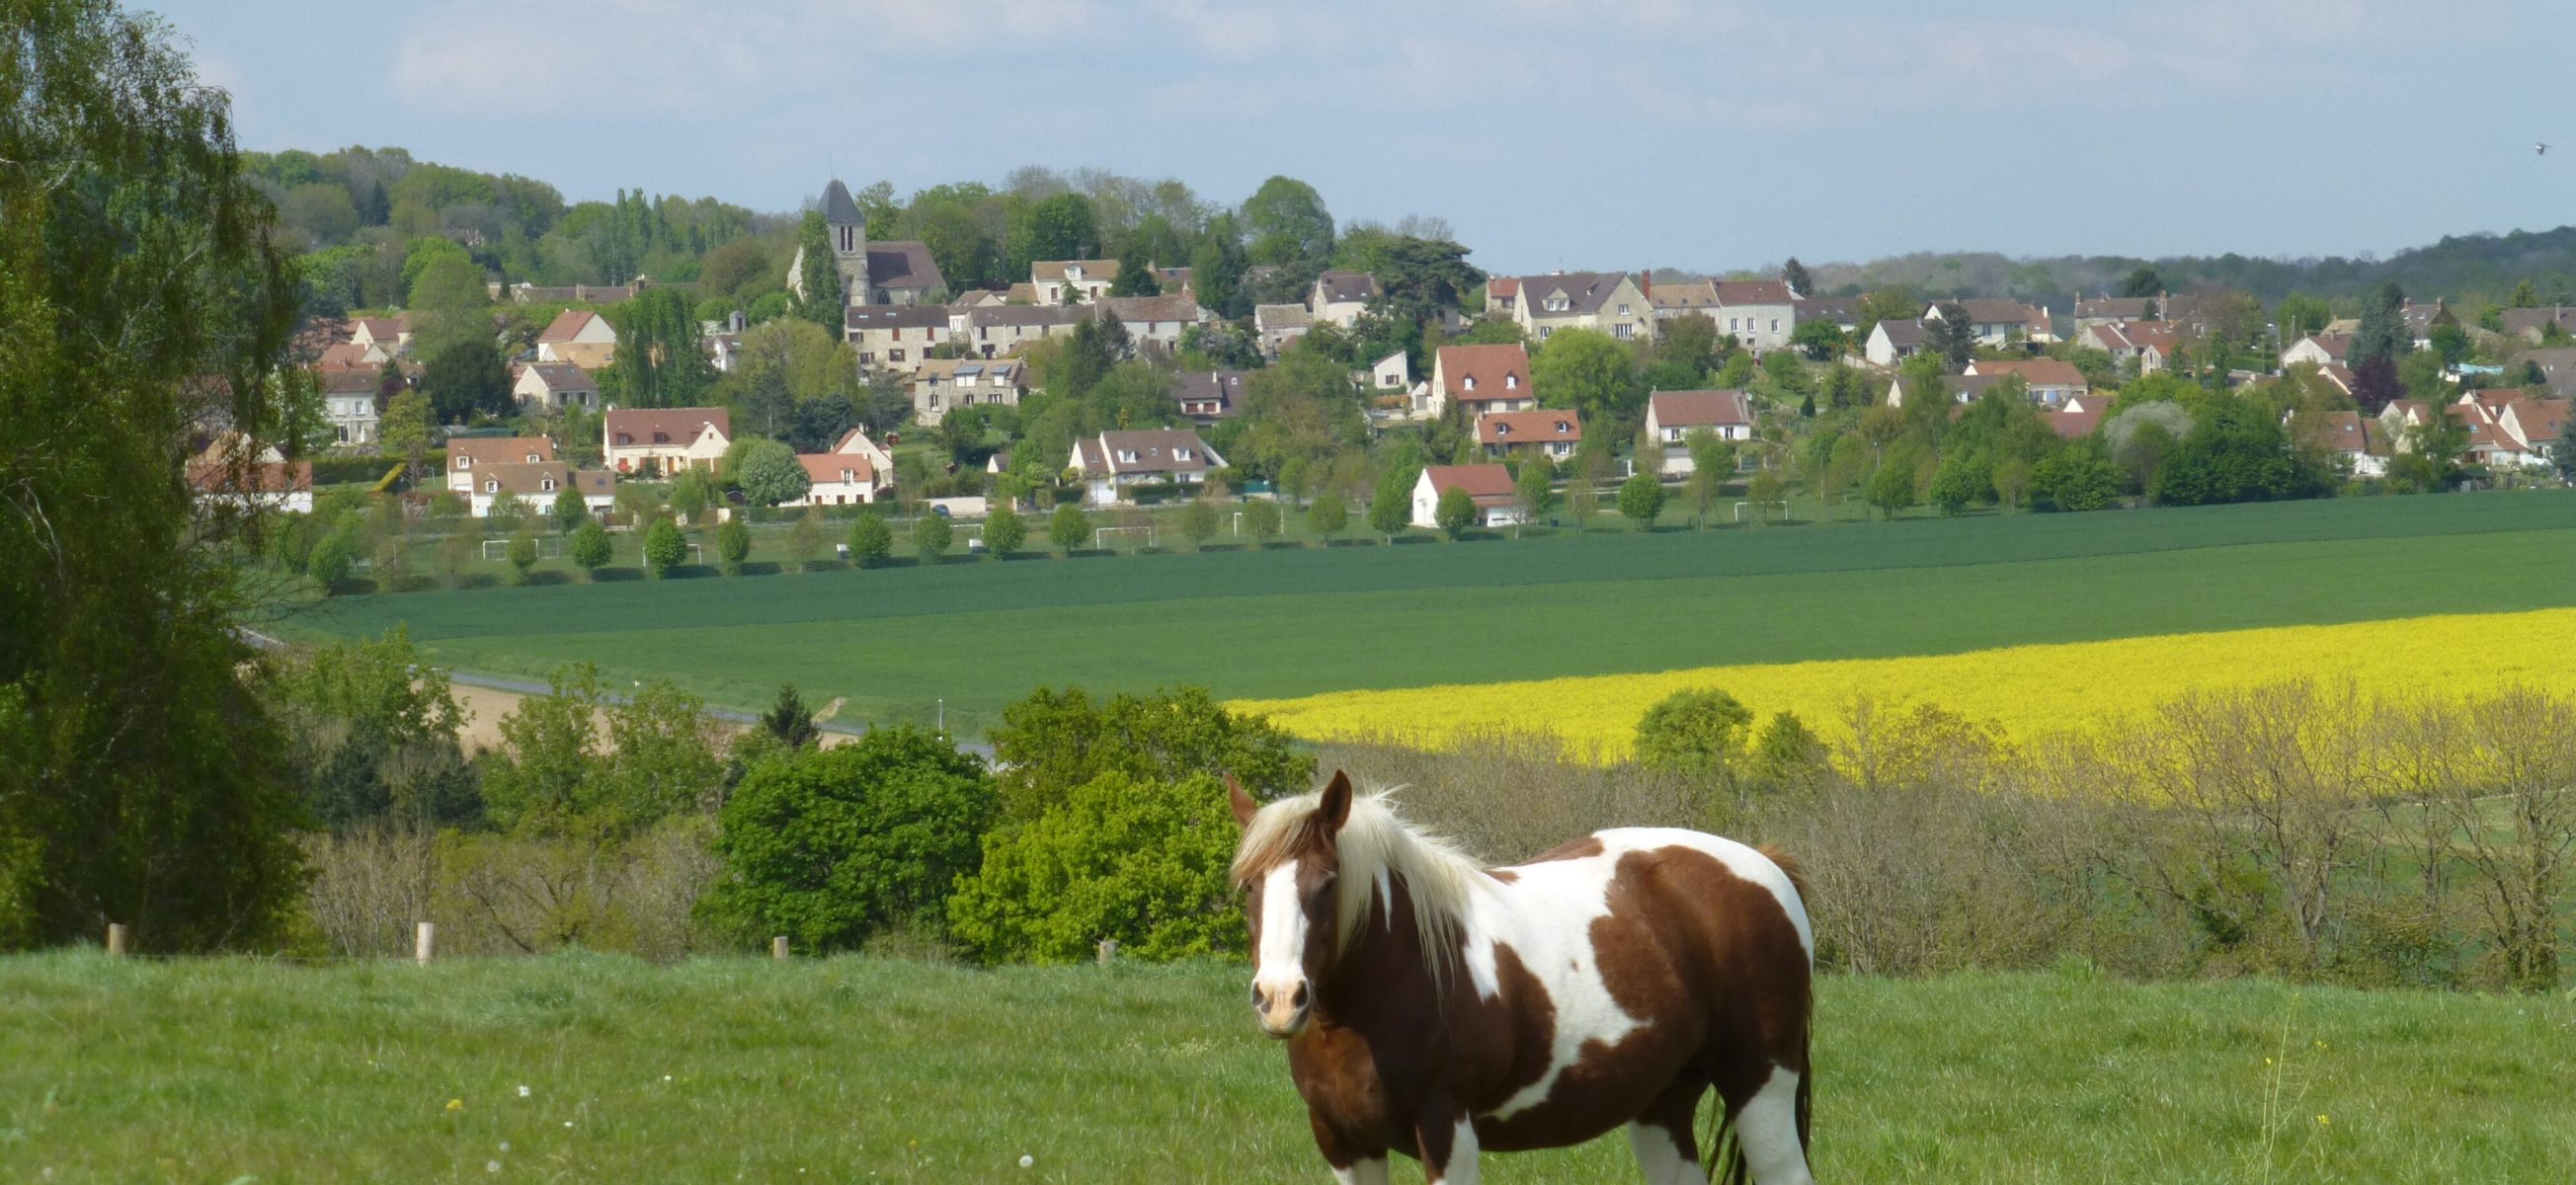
{"x":1295,"y":620}
{"x":856,"y":1069}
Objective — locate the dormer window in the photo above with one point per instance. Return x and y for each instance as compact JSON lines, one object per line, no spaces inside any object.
{"x":465,"y":462}
{"x":1127,"y":455}
{"x":1557,"y":304}
{"x":1511,"y":382}
{"x":547,"y":485}
{"x":1182,"y":454}
{"x":492,"y":485}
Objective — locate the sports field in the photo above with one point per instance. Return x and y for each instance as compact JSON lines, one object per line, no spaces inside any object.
{"x":590,"y":1068}
{"x":1290,"y":622}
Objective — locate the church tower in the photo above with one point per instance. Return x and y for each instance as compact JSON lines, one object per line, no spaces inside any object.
{"x":848,"y":230}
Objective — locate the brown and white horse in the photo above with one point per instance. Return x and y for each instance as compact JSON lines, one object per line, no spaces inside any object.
{"x":1436,"y":1008}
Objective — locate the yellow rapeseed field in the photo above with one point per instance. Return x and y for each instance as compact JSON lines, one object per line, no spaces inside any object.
{"x":2029,"y":690}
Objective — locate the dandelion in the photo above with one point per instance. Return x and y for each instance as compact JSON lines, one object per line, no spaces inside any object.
{"x":455,"y":1104}
{"x":2267,"y":1061}
{"x":2322,"y":1121}
{"x":523,"y":1091}
{"x":567,"y":1123}
{"x":491,"y":1166}
{"x":505,"y":1145}
{"x":1028,"y":1161}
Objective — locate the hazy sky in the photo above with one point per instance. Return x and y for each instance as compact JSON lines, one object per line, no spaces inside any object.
{"x":1551,"y":133}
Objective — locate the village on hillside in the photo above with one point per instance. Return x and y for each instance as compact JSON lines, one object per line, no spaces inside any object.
{"x":1378,"y":369}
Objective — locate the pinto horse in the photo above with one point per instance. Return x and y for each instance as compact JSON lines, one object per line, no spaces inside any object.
{"x":1439,"y":1009}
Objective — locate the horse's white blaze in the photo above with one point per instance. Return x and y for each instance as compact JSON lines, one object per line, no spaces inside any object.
{"x":1659,"y":1158}
{"x":1281,"y":965}
{"x":1768,"y":1128}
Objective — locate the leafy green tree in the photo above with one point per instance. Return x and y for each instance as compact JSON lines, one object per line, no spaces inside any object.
{"x":1712,"y":462}
{"x":1694,"y":734}
{"x":1786,"y":756}
{"x":1641,"y":500}
{"x":568,"y":511}
{"x":1198,"y":521}
{"x":1135,"y":276}
{"x":2074,"y":479}
{"x":931,"y":537}
{"x":1951,"y":336}
{"x":1794,"y":274}
{"x":1004,"y":532}
{"x":733,"y":545}
{"x":1455,"y":513}
{"x":536,"y":781}
{"x":2450,"y":342}
{"x":1962,"y":478}
{"x":1289,"y":223}
{"x":1064,"y":226}
{"x":832,"y":846}
{"x":664,"y":548}
{"x":1534,"y":487}
{"x":805,"y":539}
{"x":1891,"y":489}
{"x":1390,"y":510}
{"x":871,"y":540}
{"x":376,"y":726}
{"x":2431,"y":454}
{"x":2236,"y":452}
{"x":1590,"y":371}
{"x":661,"y":353}
{"x":1054,"y":740}
{"x":1261,"y":516}
{"x":591,"y":548}
{"x":464,"y":380}
{"x":522,"y":554}
{"x":789,"y":721}
{"x":1819,"y":340}
{"x":818,"y":273}
{"x":2301,"y":315}
{"x":1143,"y":863}
{"x":770,"y":474}
{"x":1328,"y":516}
{"x":2382,"y":334}
{"x":403,"y":430}
{"x":333,"y":558}
{"x":2142,"y":282}
{"x":1069,"y":528}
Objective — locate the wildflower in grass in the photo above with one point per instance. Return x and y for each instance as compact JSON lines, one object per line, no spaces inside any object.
{"x":455,"y":1104}
{"x":491,"y":1166}
{"x":523,"y":1091}
{"x":2322,"y":1121}
{"x":1027,"y":1161}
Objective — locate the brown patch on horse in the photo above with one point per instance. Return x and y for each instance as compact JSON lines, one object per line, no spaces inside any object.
{"x":1573,"y":849}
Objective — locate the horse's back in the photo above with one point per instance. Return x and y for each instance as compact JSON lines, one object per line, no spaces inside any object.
{"x":1738,"y":861}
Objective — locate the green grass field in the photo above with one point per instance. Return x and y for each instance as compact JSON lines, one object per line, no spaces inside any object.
{"x":1294,"y":621}
{"x":863,"y":1069}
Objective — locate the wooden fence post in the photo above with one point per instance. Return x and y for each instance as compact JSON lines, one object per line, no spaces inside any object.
{"x":778,"y":947}
{"x":116,"y":939}
{"x":424,"y":942}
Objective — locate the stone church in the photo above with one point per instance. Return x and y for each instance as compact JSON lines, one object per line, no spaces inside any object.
{"x":899,"y":273}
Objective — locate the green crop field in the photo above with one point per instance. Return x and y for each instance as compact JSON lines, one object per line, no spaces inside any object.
{"x":1292,"y":621}
{"x":862,"y":1069}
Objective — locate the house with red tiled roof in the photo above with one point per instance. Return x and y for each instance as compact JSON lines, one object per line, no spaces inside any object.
{"x":1671,"y":416}
{"x":265,"y":482}
{"x":468,"y":456}
{"x":580,"y":337}
{"x":657,"y":441}
{"x":1546,"y":431}
{"x":536,"y":484}
{"x":1116,"y":460}
{"x":2051,"y":381}
{"x":1481,"y":379}
{"x":2359,"y":444}
{"x":2318,"y":349}
{"x":839,"y":479}
{"x":1488,"y":486}
{"x":2076,"y":418}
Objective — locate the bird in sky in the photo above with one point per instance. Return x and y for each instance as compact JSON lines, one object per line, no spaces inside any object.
{"x":2540,"y":149}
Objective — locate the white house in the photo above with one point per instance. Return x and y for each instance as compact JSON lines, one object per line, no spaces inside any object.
{"x":944,"y":383}
{"x":1481,"y":379}
{"x":1087,"y":279}
{"x":554,"y":386}
{"x":2318,"y":349}
{"x":578,"y":336}
{"x":1115,"y":460}
{"x":1339,"y":297}
{"x":1488,"y":486}
{"x":1392,"y":373}
{"x":658,"y":441}
{"x":896,"y":338}
{"x":1671,"y":416}
{"x":389,"y":335}
{"x":2001,"y":322}
{"x":1607,"y":301}
{"x":1546,"y":431}
{"x":1893,"y":342}
{"x":538,"y":484}
{"x":1155,"y":322}
{"x":996,"y":330}
{"x":840,"y":479}
{"x":266,"y":481}
{"x":467,"y":456}
{"x":1280,"y":325}
{"x":1761,"y":314}
{"x":1210,"y":396}
{"x":2360,"y":443}
{"x":349,"y":399}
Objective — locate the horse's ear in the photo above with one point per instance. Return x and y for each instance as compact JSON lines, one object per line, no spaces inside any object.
{"x":1244,"y":806}
{"x":1335,"y":807}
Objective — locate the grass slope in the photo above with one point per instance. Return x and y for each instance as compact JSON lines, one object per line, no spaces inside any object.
{"x":1294,"y":622}
{"x":855,"y":1069}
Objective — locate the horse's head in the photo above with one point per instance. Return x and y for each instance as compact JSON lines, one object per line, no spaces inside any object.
{"x":1287,"y":868}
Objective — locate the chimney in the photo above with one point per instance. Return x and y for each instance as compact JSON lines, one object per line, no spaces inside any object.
{"x":1646,"y":283}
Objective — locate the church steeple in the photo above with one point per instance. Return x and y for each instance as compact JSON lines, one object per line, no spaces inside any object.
{"x":848,"y":231}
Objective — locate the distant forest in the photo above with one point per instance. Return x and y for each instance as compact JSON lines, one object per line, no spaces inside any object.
{"x":354,"y":213}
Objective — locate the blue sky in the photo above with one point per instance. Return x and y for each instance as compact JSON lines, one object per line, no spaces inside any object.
{"x":1551,"y":133}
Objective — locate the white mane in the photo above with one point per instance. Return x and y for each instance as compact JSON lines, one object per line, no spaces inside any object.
{"x":1376,"y":847}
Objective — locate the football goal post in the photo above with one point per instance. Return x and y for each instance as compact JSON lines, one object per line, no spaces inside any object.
{"x":549,"y":547}
{"x":1100,"y":536}
{"x":1782,"y":507}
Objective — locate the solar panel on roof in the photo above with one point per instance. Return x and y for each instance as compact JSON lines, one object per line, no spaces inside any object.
{"x":970,"y":370}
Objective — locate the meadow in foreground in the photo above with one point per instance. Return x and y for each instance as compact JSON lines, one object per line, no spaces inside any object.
{"x":859,"y":1068}
{"x":2028,"y":690}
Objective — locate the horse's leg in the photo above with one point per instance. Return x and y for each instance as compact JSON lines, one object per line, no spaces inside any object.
{"x":1366,"y":1171}
{"x":1767,"y":1125}
{"x":1661,"y":1137}
{"x":1448,"y":1139}
{"x":1351,"y":1165}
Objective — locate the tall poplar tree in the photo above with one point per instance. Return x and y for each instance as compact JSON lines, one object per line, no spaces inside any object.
{"x":824,"y":303}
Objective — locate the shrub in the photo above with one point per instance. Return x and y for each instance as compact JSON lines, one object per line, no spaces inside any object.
{"x":1326,"y":518}
{"x":1068,"y":528}
{"x":1696,"y":734}
{"x":1261,"y":517}
{"x":591,"y":548}
{"x":569,"y":510}
{"x":1198,"y":521}
{"x":522,"y":552}
{"x":733,"y":545}
{"x":830,"y":846}
{"x":1005,"y":531}
{"x":664,"y":547}
{"x":1641,"y":499}
{"x":931,"y":537}
{"x":1456,"y":511}
{"x":331,"y":559}
{"x":1053,"y":740}
{"x":1141,"y":862}
{"x":871,"y":541}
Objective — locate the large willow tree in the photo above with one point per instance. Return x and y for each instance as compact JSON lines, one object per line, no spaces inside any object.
{"x":143,"y":312}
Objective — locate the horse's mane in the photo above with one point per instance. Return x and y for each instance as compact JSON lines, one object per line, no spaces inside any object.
{"x":1376,"y":847}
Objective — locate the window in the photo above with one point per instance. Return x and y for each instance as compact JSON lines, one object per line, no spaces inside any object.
{"x":492,"y":485}
{"x":1127,"y":456}
{"x":866,"y":357}
{"x":1775,"y":325}
{"x":1557,"y":304}
{"x":1623,"y":310}
{"x":894,"y":355}
{"x":1183,"y":454}
{"x":1511,"y":382}
{"x":547,"y":485}
{"x":1471,"y":382}
{"x":1624,"y":329}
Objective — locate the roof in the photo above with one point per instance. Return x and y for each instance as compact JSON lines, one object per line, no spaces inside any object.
{"x":1743,"y":292}
{"x":828,"y":467}
{"x":1223,"y":386}
{"x":2541,"y":420}
{"x":2339,"y":431}
{"x":2073,"y":425}
{"x":838,"y":209}
{"x":1503,"y":286}
{"x":2338,"y":346}
{"x":1488,"y":485}
{"x":1156,"y":450}
{"x":896,"y":316}
{"x":2531,"y":320}
{"x":1025,"y":314}
{"x":383,"y":329}
{"x":345,"y":356}
{"x":1700,"y":409}
{"x":970,"y":370}
{"x":2114,"y":308}
{"x":498,"y":450}
{"x":2038,"y":372}
{"x":1838,"y":309}
{"x":1346,"y":287}
{"x":644,"y":426}
{"x":268,"y":477}
{"x":1054,"y":269}
{"x":1683,"y":294}
{"x":566,"y":325}
{"x":529,"y":479}
{"x":903,"y":265}
{"x":564,"y":376}
{"x":352,"y":382}
{"x":1513,"y":427}
{"x":1999,"y":312}
{"x":1281,"y":316}
{"x":1172,"y":307}
{"x":1585,"y":292}
{"x":1902,"y":333}
{"x":1489,"y":365}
